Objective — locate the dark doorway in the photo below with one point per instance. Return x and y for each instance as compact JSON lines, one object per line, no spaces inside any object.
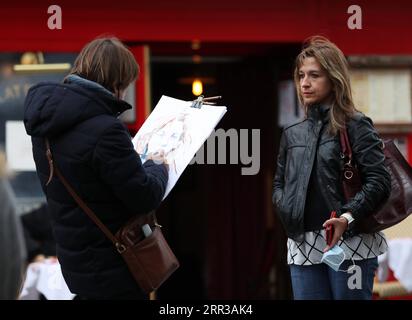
{"x":221,"y":223}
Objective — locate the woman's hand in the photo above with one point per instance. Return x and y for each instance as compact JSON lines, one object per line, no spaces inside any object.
{"x":158,"y":157}
{"x":339,"y":226}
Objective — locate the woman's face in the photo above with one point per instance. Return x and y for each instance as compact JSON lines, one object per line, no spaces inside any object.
{"x":315,"y":85}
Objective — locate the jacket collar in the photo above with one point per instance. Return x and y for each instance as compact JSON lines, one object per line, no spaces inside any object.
{"x":116,"y":106}
{"x":319,"y":112}
{"x":88,"y":84}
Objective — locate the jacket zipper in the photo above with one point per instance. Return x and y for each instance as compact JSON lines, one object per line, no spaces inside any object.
{"x":314,"y":150}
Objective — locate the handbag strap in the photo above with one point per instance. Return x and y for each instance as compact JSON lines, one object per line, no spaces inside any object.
{"x":345,"y":145}
{"x":76,"y":198}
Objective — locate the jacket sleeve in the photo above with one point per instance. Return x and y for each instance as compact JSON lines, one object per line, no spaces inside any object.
{"x":369,"y":156}
{"x":279,"y":180}
{"x":140,"y":188}
{"x":38,"y":233}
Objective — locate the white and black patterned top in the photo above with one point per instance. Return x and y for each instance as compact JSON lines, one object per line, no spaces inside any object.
{"x":359,"y":247}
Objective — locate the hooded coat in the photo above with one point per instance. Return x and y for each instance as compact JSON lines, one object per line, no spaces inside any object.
{"x":93,"y":150}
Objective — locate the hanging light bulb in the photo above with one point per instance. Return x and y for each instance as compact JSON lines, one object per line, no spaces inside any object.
{"x":197,"y":87}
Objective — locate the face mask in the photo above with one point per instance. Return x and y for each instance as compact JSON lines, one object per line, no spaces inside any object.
{"x":335,"y":257}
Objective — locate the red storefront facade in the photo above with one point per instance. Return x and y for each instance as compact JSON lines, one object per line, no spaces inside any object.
{"x":385,"y":25}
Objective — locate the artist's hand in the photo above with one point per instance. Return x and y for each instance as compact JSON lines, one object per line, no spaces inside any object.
{"x":158,"y":157}
{"x":339,"y":226}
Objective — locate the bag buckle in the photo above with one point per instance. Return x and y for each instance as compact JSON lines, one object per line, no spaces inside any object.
{"x":120,"y":247}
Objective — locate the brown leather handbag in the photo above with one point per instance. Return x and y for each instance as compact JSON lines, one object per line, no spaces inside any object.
{"x":149,"y":259}
{"x":399,"y":204}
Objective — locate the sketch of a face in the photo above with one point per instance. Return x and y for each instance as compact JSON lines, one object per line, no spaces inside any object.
{"x":170,"y":136}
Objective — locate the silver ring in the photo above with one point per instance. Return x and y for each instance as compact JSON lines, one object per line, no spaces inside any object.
{"x":348,"y":174}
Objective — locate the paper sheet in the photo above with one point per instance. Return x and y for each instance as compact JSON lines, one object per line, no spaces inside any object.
{"x":179,"y":130}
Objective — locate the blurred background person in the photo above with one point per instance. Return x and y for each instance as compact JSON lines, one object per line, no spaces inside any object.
{"x":38,"y":234}
{"x":12,"y":246}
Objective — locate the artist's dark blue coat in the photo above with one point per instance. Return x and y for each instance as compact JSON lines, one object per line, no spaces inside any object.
{"x":93,"y":150}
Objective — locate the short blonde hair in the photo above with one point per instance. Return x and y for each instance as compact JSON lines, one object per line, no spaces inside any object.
{"x":108,"y":62}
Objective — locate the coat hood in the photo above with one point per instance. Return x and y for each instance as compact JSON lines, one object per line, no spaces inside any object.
{"x":52,"y":108}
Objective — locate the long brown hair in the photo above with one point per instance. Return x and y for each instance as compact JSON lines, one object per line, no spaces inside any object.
{"x":108,"y":62}
{"x":334,"y":63}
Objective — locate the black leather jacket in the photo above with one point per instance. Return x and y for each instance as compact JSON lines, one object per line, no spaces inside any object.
{"x":298,"y":145}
